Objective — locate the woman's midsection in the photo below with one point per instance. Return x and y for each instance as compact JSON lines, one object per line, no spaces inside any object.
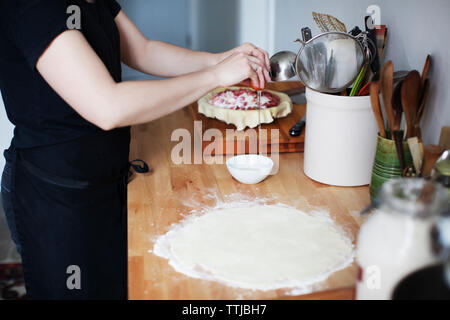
{"x":93,"y":157}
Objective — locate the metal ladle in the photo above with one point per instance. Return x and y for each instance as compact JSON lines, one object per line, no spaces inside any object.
{"x":282,"y":66}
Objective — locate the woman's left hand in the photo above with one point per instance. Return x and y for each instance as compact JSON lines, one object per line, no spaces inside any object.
{"x":249,"y":49}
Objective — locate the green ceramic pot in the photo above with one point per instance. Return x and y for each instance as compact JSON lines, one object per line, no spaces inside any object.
{"x":381,"y":168}
{"x":387,"y":164}
{"x":386,"y":173}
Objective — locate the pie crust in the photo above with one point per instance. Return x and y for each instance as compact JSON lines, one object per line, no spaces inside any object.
{"x":245,"y":118}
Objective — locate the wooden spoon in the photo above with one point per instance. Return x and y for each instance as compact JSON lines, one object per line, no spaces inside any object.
{"x":426,"y":68}
{"x":398,"y":135}
{"x":432,"y":153}
{"x":398,"y":138}
{"x":444,"y":140}
{"x":416,"y":153}
{"x":424,"y":94}
{"x":387,"y":88}
{"x":411,"y":94}
{"x":397,"y":104}
{"x":387,"y":85}
{"x":375,"y":99}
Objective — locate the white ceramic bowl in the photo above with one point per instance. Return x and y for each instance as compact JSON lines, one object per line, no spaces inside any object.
{"x":250,"y":168}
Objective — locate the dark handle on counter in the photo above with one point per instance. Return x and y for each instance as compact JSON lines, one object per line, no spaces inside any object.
{"x":294,"y":91}
{"x":398,"y":138}
{"x":298,"y":128}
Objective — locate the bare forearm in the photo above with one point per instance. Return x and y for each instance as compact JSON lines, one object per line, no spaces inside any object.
{"x":143,"y":101}
{"x":156,"y":57}
{"x":167,"y":60}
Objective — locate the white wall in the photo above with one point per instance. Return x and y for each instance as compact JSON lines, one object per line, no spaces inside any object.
{"x":165,"y":20}
{"x":215,"y":24}
{"x":256,"y":23}
{"x":207,"y":25}
{"x":6,"y":133}
{"x":417,"y":27}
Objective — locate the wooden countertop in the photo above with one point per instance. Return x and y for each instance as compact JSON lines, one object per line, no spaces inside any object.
{"x":161,"y":198}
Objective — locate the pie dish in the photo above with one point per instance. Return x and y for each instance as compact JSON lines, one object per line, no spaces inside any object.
{"x":238,"y":106}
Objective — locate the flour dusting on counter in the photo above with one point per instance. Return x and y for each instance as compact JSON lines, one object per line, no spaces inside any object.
{"x":254,"y":245}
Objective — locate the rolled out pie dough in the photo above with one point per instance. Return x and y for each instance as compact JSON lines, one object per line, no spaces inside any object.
{"x":263,"y":247}
{"x":244,"y":118}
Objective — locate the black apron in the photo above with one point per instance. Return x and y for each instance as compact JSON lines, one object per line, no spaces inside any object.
{"x":69,"y":203}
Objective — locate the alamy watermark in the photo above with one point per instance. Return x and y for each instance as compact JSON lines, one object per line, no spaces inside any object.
{"x":74,"y":20}
{"x":210,"y":146}
{"x":373,"y":278}
{"x":73,"y":281}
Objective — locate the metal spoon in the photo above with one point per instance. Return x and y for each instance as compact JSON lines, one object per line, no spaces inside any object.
{"x":282,"y":66}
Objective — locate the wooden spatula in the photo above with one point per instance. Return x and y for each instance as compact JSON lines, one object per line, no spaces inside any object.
{"x":426,"y":68}
{"x":432,"y":153}
{"x":424,"y":94}
{"x":387,"y":88}
{"x":416,"y":153}
{"x":397,"y":104}
{"x":375,"y":100}
{"x":411,"y":94}
{"x":444,"y":140}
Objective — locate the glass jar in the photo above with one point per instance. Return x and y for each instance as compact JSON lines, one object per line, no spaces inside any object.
{"x":396,"y":239}
{"x":441,"y":171}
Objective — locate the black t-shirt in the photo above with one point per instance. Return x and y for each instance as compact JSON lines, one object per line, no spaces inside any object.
{"x":27,"y":27}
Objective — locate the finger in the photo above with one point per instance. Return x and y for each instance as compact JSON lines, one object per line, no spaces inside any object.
{"x":259,"y":74}
{"x":248,"y":48}
{"x":246,"y":83}
{"x":257,"y":53}
{"x":267,"y":75}
{"x":265,"y":72}
{"x":259,"y":71}
{"x":254,"y":78}
{"x":255,"y":81}
{"x":266,"y":55}
{"x":257,"y":62}
{"x":262,"y":82}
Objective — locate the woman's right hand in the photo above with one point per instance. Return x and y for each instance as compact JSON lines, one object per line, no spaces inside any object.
{"x":237,"y":68}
